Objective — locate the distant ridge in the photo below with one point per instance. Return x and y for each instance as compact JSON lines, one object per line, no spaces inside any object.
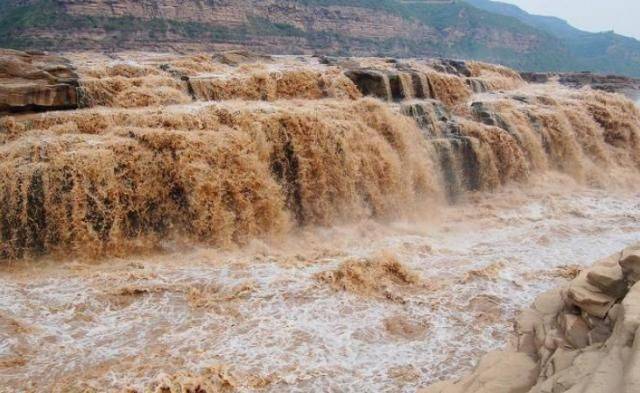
{"x":605,"y":52}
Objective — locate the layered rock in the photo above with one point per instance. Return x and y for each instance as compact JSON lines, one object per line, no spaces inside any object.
{"x":580,"y":338}
{"x":36,"y":81}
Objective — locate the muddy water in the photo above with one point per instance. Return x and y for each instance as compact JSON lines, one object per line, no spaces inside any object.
{"x":261,"y":318}
{"x":487,"y":177}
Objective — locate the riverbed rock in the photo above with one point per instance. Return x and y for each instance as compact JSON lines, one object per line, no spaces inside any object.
{"x":237,"y":57}
{"x":450,"y":66}
{"x":371,"y":82}
{"x":588,"y":297}
{"x":630,"y":264}
{"x":599,"y":351}
{"x":497,"y":372}
{"x":31,"y":81}
{"x":609,"y":83}
{"x":398,"y":85}
{"x":609,"y":279}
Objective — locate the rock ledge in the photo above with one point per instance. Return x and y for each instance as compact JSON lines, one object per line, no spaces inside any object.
{"x":35,"y":81}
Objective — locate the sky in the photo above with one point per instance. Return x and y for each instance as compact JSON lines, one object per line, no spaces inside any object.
{"x":622,"y":16}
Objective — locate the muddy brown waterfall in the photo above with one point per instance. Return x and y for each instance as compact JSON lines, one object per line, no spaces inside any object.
{"x":191,"y":150}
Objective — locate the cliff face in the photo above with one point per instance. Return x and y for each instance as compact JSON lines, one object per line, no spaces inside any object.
{"x":353,"y":27}
{"x":452,"y":29}
{"x":347,"y":20}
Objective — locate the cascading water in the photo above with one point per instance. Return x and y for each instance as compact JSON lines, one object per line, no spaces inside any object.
{"x":304,"y":237}
{"x":111,"y":180}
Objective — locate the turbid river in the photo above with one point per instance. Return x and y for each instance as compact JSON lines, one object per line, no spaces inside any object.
{"x":262,"y":320}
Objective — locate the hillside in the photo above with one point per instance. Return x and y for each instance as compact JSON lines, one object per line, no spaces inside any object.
{"x":349,"y":27}
{"x":606,"y":52}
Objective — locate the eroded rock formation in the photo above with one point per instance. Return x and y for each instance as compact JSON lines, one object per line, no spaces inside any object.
{"x":36,"y":81}
{"x":582,"y":338}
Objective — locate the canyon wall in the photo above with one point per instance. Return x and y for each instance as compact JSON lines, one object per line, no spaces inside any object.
{"x":354,"y":27}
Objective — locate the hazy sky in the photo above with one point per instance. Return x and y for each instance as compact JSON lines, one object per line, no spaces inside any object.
{"x":622,"y":16}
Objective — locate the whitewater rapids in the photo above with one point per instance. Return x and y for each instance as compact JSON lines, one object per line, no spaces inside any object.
{"x":207,"y":227}
{"x":261,"y":316}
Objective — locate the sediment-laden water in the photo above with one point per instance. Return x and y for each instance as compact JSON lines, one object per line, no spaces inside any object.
{"x":265,"y":227}
{"x":265,"y":316}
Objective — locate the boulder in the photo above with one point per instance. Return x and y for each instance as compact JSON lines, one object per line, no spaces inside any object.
{"x":630,"y":264}
{"x":32,"y":81}
{"x":609,"y":279}
{"x":371,"y":82}
{"x":498,"y":372}
{"x":576,"y":330}
{"x":530,"y":333}
{"x":588,"y":297}
{"x":598,"y":353}
{"x":549,"y":303}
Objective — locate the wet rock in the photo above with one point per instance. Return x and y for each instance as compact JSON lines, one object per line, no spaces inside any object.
{"x":32,"y":81}
{"x":498,"y":372}
{"x":454,"y":67}
{"x":371,"y":82}
{"x":609,"y":280}
{"x":535,"y":77}
{"x":390,"y":85}
{"x":609,"y":83}
{"x":342,"y":62}
{"x":630,"y":264}
{"x":477,"y":85}
{"x":430,"y":115}
{"x":589,"y":298}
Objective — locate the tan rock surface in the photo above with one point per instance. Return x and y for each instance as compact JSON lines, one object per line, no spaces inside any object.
{"x":35,"y":80}
{"x":498,"y":372}
{"x":600,"y":352}
{"x":630,"y":263}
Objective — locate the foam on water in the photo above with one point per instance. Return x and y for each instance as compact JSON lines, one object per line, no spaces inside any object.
{"x":260,"y":311}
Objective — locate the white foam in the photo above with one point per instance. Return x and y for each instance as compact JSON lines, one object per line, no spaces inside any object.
{"x":306,"y":336}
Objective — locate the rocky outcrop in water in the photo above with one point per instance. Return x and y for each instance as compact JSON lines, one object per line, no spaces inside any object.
{"x":584,"y":337}
{"x":36,"y":81}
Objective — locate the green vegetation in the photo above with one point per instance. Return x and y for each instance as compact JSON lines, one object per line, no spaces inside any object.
{"x":600,"y":52}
